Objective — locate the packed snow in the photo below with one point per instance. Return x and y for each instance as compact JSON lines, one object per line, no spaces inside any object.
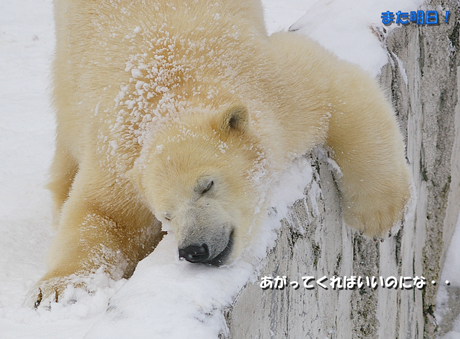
{"x":165,"y":298}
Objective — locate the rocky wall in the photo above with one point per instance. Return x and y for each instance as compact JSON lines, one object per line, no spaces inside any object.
{"x":422,"y":79}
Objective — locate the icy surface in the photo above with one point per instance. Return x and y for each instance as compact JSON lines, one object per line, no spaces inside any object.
{"x":165,"y":298}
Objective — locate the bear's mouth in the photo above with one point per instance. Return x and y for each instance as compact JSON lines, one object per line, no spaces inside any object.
{"x":222,"y":257}
{"x":199,"y":254}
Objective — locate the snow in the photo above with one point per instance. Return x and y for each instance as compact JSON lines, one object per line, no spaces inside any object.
{"x":346,"y":28}
{"x":26,"y":146}
{"x":402,"y":70}
{"x":453,"y":259}
{"x":451,"y":274}
{"x":165,"y":298}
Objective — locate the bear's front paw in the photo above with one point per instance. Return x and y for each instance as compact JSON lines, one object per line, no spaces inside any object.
{"x":375,"y":226}
{"x":54,"y":290}
{"x":374,"y":220}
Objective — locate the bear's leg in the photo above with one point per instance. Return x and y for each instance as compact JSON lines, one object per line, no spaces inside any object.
{"x":102,"y":228}
{"x":63,"y":170}
{"x":362,"y":130}
{"x":368,"y":147}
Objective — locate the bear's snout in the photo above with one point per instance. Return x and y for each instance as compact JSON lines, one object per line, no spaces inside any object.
{"x":214,"y":253}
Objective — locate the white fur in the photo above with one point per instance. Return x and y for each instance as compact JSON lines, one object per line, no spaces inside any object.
{"x":152,"y":96}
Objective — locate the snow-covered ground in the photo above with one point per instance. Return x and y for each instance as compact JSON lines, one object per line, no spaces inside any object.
{"x":165,"y":298}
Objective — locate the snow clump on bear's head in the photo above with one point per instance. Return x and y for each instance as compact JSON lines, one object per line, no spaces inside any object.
{"x":197,"y":180}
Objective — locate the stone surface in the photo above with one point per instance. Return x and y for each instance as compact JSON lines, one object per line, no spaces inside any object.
{"x":422,"y":79}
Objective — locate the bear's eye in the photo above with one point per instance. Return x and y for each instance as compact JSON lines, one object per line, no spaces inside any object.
{"x":167,"y":217}
{"x":207,"y":187}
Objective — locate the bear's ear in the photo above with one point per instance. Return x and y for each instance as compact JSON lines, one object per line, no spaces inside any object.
{"x":235,"y":118}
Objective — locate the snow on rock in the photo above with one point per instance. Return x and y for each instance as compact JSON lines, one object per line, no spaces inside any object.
{"x":450,"y":274}
{"x":452,"y":262}
{"x":346,"y":28}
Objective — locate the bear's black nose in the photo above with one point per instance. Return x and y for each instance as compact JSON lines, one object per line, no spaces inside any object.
{"x":194,"y":253}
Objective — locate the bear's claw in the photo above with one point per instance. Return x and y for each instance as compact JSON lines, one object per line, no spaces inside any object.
{"x":39,"y":298}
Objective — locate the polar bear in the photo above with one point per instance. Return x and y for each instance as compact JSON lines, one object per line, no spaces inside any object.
{"x":183,"y":113}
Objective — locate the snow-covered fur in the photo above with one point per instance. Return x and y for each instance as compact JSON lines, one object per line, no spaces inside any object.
{"x":184,"y":113}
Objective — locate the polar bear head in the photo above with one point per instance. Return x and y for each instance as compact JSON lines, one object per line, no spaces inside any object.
{"x":196,"y":178}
